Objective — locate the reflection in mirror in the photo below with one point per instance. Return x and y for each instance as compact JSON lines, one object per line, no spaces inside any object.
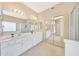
{"x":8,"y":27}
{"x":1,"y":18}
{"x":14,"y":22}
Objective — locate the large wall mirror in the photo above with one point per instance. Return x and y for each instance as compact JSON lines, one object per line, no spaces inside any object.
{"x":13,"y":20}
{"x":8,"y":27}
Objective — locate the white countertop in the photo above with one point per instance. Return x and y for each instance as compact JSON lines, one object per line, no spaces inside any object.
{"x":8,"y":37}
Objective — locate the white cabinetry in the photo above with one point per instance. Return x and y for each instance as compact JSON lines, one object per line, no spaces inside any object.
{"x":16,"y":46}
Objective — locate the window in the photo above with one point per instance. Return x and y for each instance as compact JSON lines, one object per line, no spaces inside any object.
{"x":8,"y":26}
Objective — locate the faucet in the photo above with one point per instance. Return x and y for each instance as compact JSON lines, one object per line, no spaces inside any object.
{"x":12,"y":35}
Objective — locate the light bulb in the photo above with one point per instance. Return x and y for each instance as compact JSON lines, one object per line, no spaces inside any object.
{"x":22,"y":13}
{"x":15,"y":10}
{"x":19,"y":11}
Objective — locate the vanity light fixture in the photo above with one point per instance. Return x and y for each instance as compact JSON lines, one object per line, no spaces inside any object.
{"x":19,"y":11}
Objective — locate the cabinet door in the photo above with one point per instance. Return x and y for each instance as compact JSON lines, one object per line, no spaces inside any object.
{"x":11,"y":48}
{"x":19,"y":46}
{"x":3,"y":48}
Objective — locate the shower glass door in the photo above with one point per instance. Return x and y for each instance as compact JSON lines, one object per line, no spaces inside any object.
{"x":57,"y":29}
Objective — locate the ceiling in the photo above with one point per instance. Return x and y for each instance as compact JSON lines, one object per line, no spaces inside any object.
{"x":40,"y":6}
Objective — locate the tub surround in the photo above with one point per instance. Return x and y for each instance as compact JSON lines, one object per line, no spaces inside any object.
{"x":71,"y":47}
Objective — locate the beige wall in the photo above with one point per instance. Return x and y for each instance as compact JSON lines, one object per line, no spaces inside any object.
{"x":66,"y":26}
{"x":61,"y":9}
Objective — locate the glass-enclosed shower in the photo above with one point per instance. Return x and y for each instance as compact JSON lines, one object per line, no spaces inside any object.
{"x":56,"y":34}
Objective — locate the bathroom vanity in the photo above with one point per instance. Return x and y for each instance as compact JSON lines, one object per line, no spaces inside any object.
{"x":13,"y":46}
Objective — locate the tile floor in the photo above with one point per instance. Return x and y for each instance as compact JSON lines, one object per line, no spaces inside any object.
{"x":45,"y":48}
